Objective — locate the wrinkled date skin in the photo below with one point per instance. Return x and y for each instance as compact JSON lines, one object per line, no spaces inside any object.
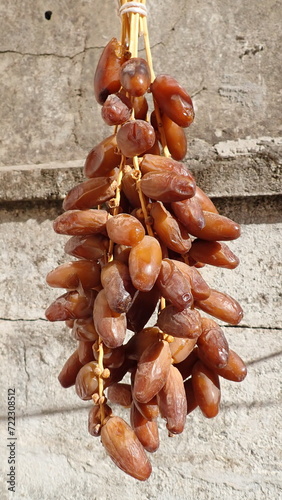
{"x":125,"y":449}
{"x":111,"y":326}
{"x":172,"y":233}
{"x":152,"y":371}
{"x":135,"y":137}
{"x":174,"y":286}
{"x":184,"y":324}
{"x":172,"y":402}
{"x":125,"y":229}
{"x":118,"y":288}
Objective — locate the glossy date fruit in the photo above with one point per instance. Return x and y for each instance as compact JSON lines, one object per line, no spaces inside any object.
{"x":81,"y":222}
{"x":72,"y":275}
{"x":171,"y":232}
{"x":144,"y":263}
{"x":173,"y":100}
{"x":135,"y":76}
{"x":103,"y":158}
{"x":206,"y":389}
{"x":221,"y":306}
{"x":106,"y":78}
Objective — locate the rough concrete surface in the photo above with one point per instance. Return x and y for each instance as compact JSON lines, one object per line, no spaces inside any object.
{"x":226,"y":54}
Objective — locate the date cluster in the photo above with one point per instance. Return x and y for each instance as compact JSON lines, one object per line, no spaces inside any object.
{"x":140,"y":229}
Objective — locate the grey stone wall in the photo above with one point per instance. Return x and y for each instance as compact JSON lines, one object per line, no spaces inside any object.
{"x":226,"y":54}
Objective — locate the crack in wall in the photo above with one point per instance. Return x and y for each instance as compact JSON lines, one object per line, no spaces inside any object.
{"x":51,"y":54}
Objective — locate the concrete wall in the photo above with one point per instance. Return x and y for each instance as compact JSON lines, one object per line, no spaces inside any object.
{"x":226,"y":54}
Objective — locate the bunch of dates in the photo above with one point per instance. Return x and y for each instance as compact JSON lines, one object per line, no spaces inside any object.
{"x":140,"y":228}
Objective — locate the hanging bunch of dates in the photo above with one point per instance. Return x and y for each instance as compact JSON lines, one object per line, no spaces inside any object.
{"x":140,"y":228}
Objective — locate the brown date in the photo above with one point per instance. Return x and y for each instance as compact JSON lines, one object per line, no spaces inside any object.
{"x":110,"y":325}
{"x":143,"y":306}
{"x":106,"y":78}
{"x":118,"y":288}
{"x":190,"y":396}
{"x":115,"y":111}
{"x":94,"y":419}
{"x":135,"y":76}
{"x":121,"y":253}
{"x":146,"y":430}
{"x":213,"y":253}
{"x":186,"y":366}
{"x":135,"y":137}
{"x":189,"y":212}
{"x":206,"y":389}
{"x":72,"y":275}
{"x":125,"y":449}
{"x":70,"y":370}
{"x":129,"y":188}
{"x":174,"y":286}
{"x":181,"y":348}
{"x":152,"y":371}
{"x":173,"y":100}
{"x":149,"y":410}
{"x":221,"y":306}
{"x":217,"y":227}
{"x":234,"y":370}
{"x":141,"y":340}
{"x":184,"y":324}
{"x":125,"y":229}
{"x":81,"y":222}
{"x":172,"y":402}
{"x":144,"y":263}
{"x":112,"y":358}
{"x":120,"y":394}
{"x":140,"y":106}
{"x":160,"y":164}
{"x":92,"y":247}
{"x":86,"y":383}
{"x":199,"y":288}
{"x":205,"y":201}
{"x":167,"y":187}
{"x":71,"y":305}
{"x":90,"y":193}
{"x":83,"y":329}
{"x":212,"y":344}
{"x":172,"y":233}
{"x":175,"y":138}
{"x":103,"y":158}
{"x":85,"y":351}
